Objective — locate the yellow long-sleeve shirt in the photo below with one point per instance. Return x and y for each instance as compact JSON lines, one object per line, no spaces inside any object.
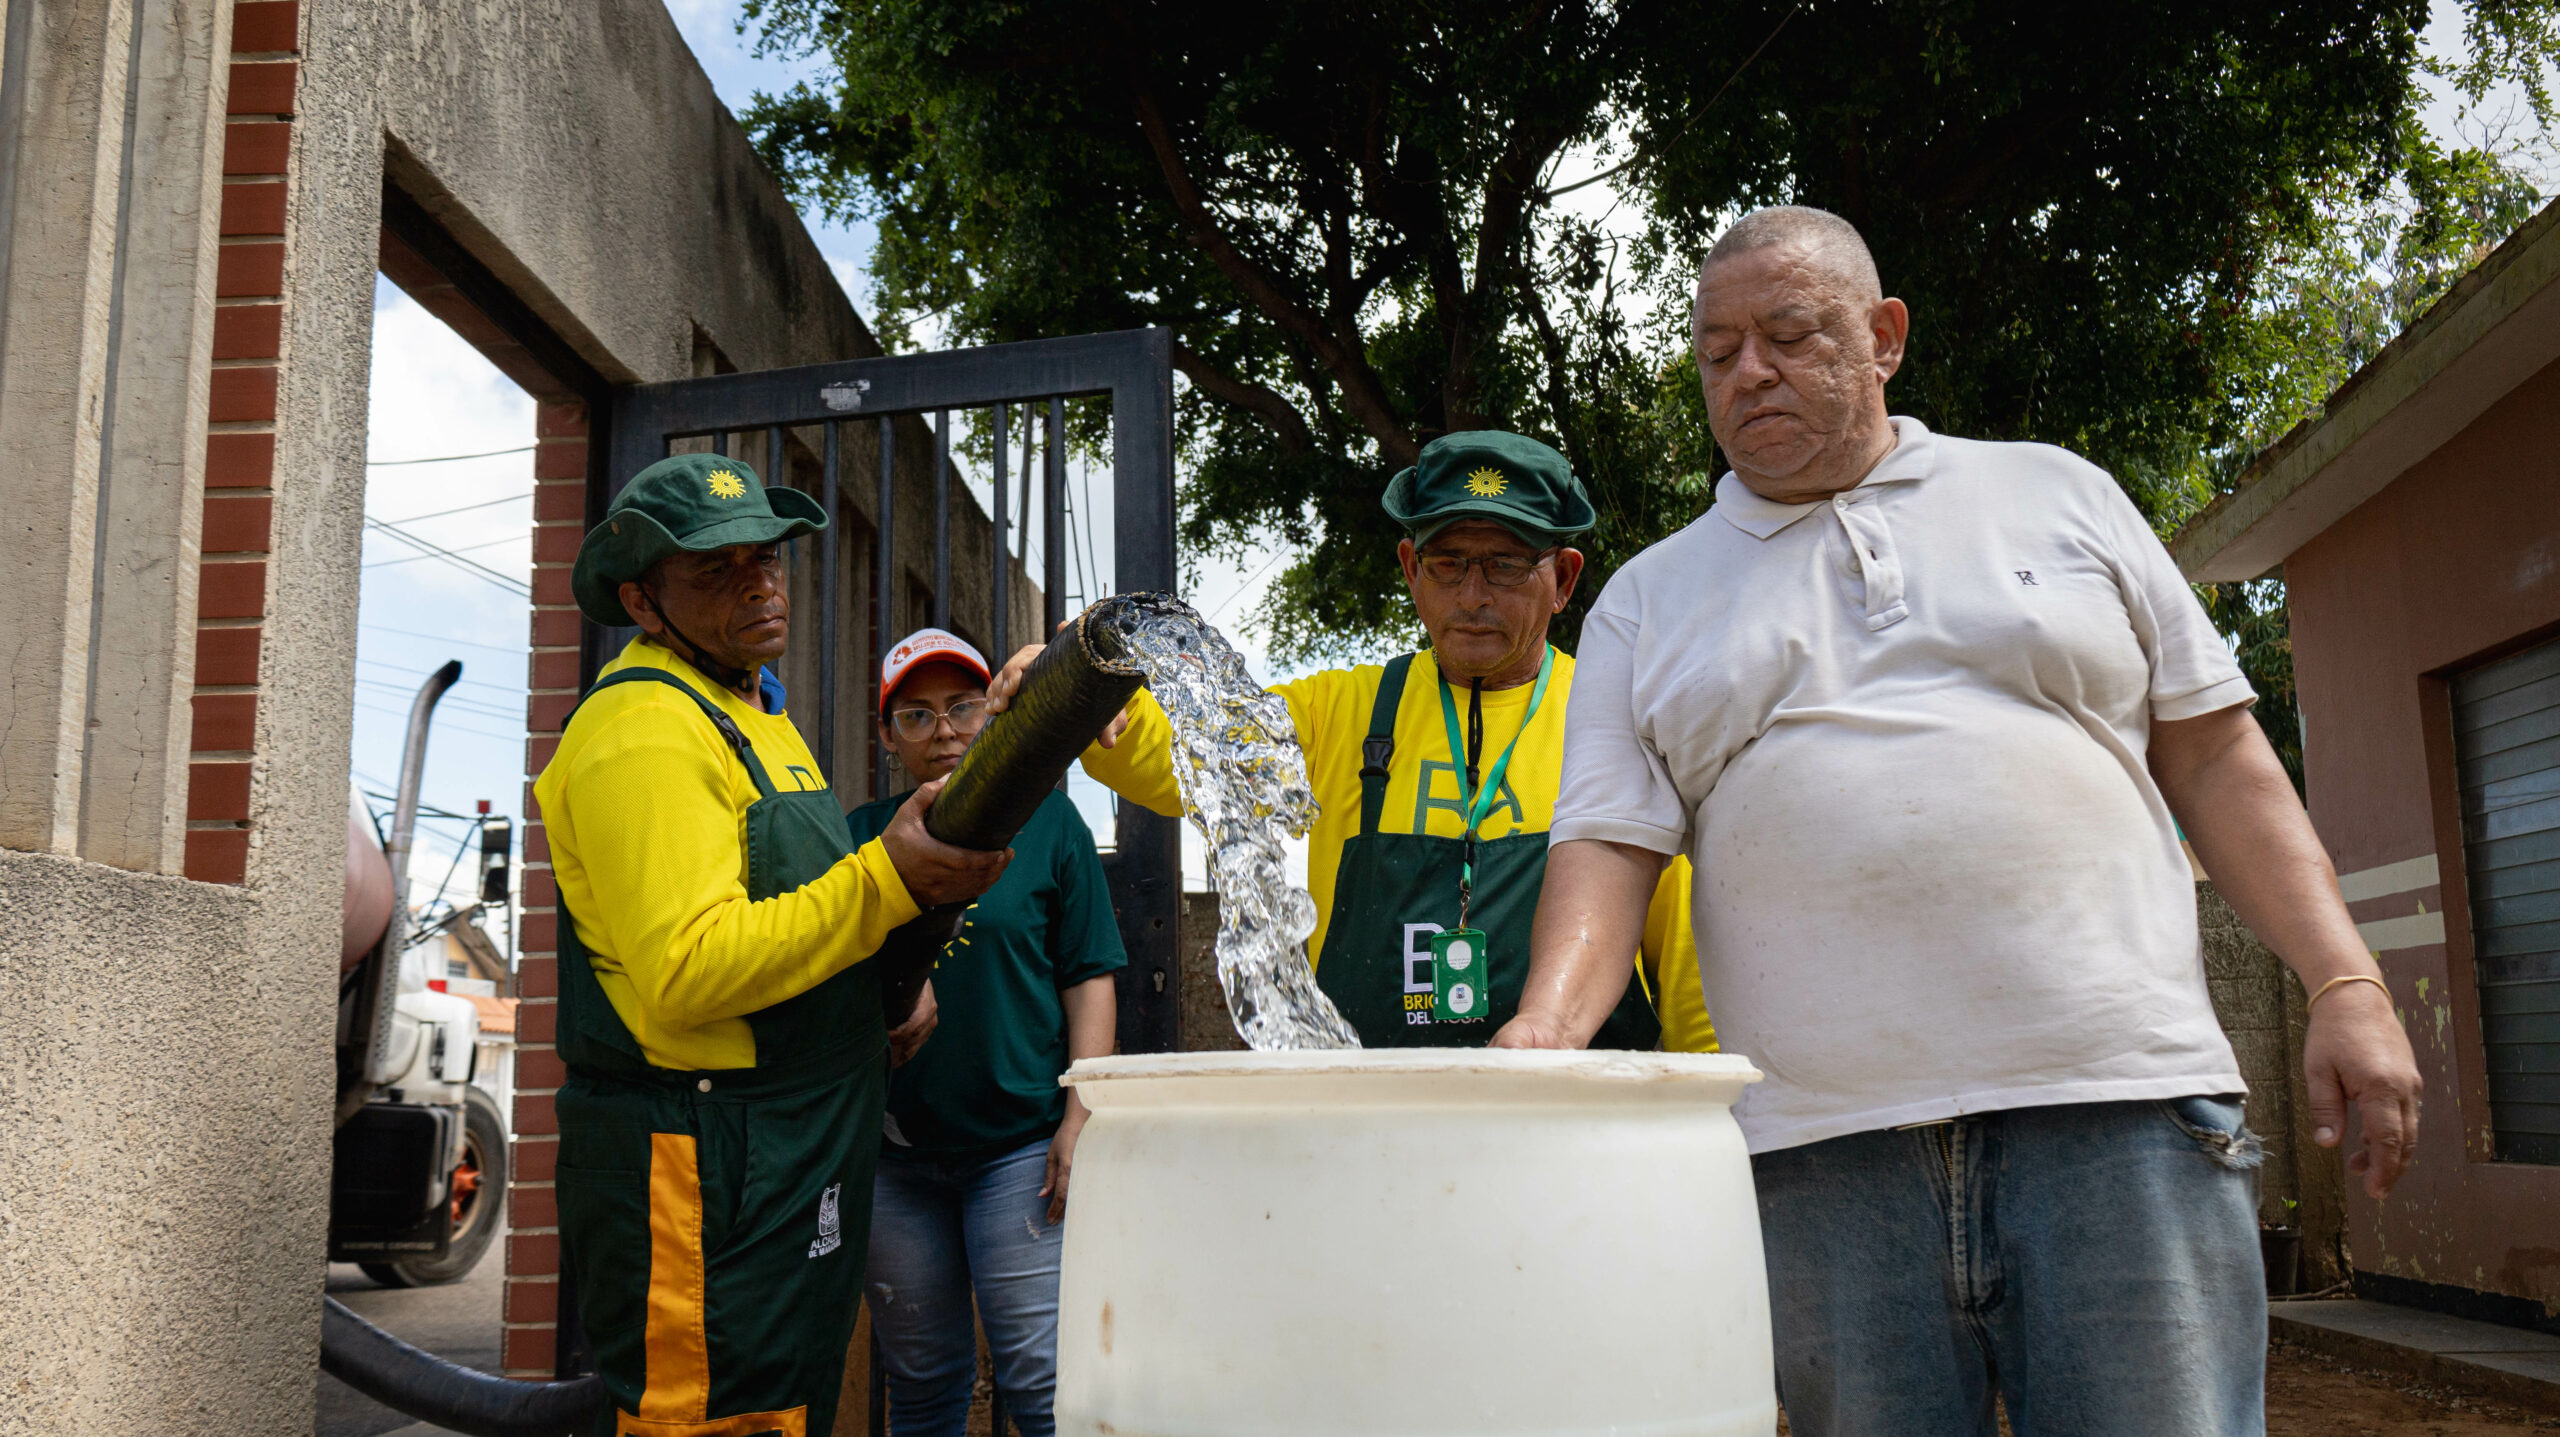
{"x":1331,"y":713}
{"x":645,"y":808}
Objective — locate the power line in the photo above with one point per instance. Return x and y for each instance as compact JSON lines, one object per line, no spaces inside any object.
{"x":446,"y":458}
{"x":465,"y":549}
{"x":1249,"y":583}
{"x":481,"y":571}
{"x":517,"y":690}
{"x":516,"y":649}
{"x":458,"y":728}
{"x":465,"y":509}
{"x":454,"y":703}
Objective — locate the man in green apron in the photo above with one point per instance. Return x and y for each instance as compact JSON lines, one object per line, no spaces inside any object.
{"x":1436,"y":773}
{"x":723,"y":1037}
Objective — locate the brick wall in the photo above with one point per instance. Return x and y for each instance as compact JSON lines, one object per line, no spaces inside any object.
{"x":533,"y":1245}
{"x":240,"y":445}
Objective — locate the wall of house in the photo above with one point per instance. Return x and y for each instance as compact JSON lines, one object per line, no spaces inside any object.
{"x":2457,"y":561}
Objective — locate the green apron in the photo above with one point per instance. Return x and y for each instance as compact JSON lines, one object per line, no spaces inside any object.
{"x":1394,"y":890}
{"x":715,"y":1224}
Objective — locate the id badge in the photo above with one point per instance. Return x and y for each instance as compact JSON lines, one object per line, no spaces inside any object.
{"x":1461,"y":992}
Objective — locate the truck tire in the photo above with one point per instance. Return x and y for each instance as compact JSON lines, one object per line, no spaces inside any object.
{"x":479,"y":1194}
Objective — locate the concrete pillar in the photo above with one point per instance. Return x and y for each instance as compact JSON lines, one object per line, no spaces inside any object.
{"x":109,"y":143}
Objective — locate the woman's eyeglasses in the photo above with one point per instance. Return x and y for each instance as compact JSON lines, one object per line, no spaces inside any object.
{"x":1507,"y":571}
{"x":966,"y":717}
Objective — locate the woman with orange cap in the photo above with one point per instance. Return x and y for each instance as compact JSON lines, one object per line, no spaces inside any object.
{"x":980,"y":1139}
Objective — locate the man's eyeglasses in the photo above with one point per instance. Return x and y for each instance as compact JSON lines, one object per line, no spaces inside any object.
{"x":1506,"y":571}
{"x":966,"y":717}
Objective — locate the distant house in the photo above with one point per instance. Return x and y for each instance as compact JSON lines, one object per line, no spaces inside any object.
{"x":2416,"y":523}
{"x":473,"y":968}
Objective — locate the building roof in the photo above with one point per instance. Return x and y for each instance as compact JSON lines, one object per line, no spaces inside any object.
{"x":497,"y":1015}
{"x":2497,"y":327}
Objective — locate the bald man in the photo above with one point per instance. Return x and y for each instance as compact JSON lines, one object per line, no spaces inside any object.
{"x":1926,"y":713}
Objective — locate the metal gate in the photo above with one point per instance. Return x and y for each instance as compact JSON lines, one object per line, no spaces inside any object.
{"x":858,"y":402}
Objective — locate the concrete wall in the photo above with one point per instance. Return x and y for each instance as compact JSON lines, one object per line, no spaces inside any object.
{"x":2455,"y":560}
{"x":2301,"y":1187}
{"x":184,"y":344}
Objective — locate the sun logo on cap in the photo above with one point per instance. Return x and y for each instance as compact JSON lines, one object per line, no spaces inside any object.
{"x":1485,"y":483}
{"x":725,"y":485}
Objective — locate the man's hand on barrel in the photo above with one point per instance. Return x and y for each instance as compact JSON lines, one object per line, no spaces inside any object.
{"x":934,"y":871}
{"x":1008,"y":681}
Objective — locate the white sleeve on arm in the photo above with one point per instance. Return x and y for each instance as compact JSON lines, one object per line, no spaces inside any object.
{"x":2193,"y":672}
{"x":1616,"y":787}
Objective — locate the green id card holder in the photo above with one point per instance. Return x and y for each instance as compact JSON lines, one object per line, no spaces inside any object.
{"x":1460,"y":986}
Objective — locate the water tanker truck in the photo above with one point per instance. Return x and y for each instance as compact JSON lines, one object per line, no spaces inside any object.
{"x":421,"y":1153}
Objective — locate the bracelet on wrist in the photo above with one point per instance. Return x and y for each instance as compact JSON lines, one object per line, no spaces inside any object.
{"x":2340,"y":982}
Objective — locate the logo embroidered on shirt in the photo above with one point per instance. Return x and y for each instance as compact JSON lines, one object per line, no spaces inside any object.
{"x":830,"y":1224}
{"x":2027,"y":578}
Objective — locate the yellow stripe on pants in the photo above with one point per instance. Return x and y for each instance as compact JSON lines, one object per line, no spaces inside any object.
{"x":677,"y":1385}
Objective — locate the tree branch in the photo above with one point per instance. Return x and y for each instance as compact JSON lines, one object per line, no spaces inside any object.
{"x":1509,"y":190}
{"x":1362,"y":390}
{"x":1262,"y":402}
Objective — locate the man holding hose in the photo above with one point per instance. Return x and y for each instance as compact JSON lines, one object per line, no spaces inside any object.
{"x":723,"y":1036}
{"x":1436,"y":772}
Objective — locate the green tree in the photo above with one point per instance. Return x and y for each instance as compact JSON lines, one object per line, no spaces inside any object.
{"x":2366,"y":268}
{"x":1353,"y":221}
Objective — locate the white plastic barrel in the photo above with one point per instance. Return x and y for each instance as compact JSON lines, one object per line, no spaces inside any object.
{"x":1413,"y":1243}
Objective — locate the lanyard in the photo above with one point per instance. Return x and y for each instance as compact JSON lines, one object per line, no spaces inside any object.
{"x":1480,"y":802}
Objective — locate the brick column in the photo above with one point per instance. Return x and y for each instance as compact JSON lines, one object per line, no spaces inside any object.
{"x":533,"y":1246}
{"x":240,"y":443}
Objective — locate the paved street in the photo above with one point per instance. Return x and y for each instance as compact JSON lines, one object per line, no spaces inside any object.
{"x":459,"y":1322}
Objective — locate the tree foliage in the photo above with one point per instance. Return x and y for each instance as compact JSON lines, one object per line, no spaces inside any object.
{"x":2121,"y":228}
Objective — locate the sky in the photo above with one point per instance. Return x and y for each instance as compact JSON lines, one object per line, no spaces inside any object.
{"x":433,"y":396}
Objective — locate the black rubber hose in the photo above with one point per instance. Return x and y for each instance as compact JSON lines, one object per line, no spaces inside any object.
{"x":1075,"y":688}
{"x":423,"y":1385}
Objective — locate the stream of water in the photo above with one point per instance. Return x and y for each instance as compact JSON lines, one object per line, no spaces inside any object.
{"x":1244,"y":783}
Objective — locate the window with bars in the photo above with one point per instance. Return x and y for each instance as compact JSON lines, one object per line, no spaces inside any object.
{"x":2506,"y":737}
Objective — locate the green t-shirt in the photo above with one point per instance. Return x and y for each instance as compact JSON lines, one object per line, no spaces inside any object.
{"x":987,"y":1080}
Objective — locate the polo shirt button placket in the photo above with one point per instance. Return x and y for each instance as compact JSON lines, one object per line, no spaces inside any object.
{"x":1871,"y":548}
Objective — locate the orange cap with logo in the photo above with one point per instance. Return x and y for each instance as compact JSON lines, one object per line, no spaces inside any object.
{"x":926,"y":646}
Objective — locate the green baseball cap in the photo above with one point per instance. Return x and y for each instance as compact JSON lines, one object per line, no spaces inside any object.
{"x":689,"y":503}
{"x":1511,"y":479}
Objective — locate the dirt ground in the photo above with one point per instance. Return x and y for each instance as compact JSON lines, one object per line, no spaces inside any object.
{"x":2309,"y":1395}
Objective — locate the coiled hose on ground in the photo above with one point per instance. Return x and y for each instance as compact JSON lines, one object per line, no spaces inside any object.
{"x":421,"y":1384}
{"x":1079,"y":682}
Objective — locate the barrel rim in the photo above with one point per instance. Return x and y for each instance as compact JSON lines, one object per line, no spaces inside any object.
{"x":1606,"y":1066}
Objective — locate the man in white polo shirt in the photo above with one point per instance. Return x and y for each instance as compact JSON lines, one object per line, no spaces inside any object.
{"x":1927,"y":713}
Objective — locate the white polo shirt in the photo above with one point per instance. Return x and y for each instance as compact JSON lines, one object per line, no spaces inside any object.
{"x":1902,"y":734}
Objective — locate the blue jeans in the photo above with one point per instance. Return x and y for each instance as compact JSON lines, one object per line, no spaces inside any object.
{"x":2094,"y":1265}
{"x":941,"y":1228}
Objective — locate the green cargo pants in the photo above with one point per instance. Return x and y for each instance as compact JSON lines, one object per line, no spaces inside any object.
{"x":754,"y":1211}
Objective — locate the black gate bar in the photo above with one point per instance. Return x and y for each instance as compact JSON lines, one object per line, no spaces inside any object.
{"x":942,"y":519}
{"x":830,"y":579}
{"x":884,"y":563}
{"x":1053,"y":524}
{"x":1001,"y":617}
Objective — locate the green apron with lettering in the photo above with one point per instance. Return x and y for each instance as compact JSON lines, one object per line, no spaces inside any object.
{"x":715,"y":1223}
{"x":1394,"y":890}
